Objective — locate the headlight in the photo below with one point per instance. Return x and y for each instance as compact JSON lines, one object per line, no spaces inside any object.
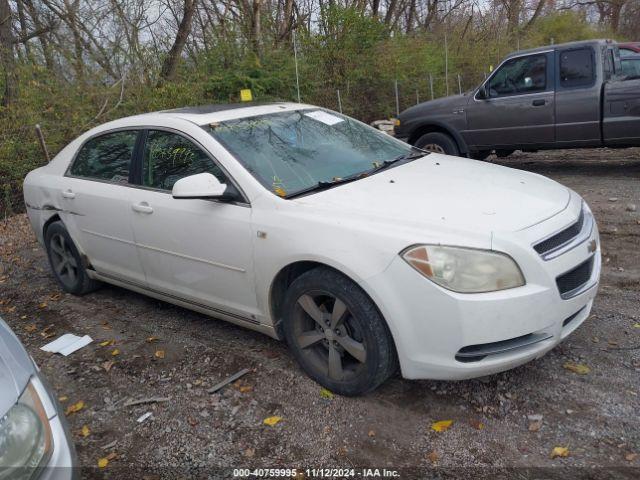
{"x":465,"y":270}
{"x":25,"y":438}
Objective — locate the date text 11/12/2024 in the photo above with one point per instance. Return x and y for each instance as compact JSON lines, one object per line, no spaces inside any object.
{"x":315,"y":473}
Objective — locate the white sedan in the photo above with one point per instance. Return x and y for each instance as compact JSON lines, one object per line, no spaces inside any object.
{"x":365,"y":254}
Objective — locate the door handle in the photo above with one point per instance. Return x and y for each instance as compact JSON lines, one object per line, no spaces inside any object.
{"x":142,"y":207}
{"x":538,"y":103}
{"x":68,"y":194}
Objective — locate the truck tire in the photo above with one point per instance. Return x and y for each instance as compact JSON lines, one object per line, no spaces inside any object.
{"x":438,"y":142}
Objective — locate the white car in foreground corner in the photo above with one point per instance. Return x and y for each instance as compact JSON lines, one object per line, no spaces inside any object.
{"x":361,"y":251}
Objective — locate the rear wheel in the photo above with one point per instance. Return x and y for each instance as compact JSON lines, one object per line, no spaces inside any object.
{"x":66,"y":263}
{"x":337,"y":334}
{"x":438,"y":142}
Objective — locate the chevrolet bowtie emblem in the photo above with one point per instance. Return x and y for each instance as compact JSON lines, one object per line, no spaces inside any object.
{"x":593,"y":245}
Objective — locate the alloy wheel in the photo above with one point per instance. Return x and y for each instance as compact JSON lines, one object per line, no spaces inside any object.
{"x":433,"y":147}
{"x":63,"y":261}
{"x":331,"y":337}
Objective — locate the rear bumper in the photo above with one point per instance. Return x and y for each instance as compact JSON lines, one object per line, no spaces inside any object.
{"x":432,"y":326}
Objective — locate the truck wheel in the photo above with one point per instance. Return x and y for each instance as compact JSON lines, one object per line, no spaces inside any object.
{"x":438,"y":142}
{"x":337,"y":334}
{"x":66,"y":263}
{"x":503,"y":153}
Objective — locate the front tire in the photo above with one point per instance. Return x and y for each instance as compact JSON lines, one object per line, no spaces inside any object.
{"x":337,"y":334}
{"x":439,"y":143}
{"x":65,"y":261}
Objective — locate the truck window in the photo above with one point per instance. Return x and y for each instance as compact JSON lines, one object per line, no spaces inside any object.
{"x":576,"y":68}
{"x":519,"y":76}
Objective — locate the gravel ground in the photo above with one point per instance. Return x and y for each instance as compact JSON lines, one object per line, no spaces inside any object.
{"x":594,"y":415}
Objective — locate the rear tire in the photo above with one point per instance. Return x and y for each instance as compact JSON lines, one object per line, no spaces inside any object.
{"x":337,"y":334}
{"x":439,"y":143}
{"x":65,"y":261}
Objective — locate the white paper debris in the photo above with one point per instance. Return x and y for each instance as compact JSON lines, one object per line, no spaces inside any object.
{"x":324,"y":117}
{"x":143,"y":417}
{"x":67,"y":344}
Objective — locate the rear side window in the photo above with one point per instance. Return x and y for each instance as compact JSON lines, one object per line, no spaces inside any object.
{"x":576,"y":68}
{"x":107,"y":157}
{"x":168,"y":157}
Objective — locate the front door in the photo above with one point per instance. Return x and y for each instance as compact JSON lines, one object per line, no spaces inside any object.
{"x":519,"y":110}
{"x":197,"y":250}
{"x":95,"y":197}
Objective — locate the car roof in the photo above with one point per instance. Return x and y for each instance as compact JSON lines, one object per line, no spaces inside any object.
{"x":205,"y":114}
{"x":578,"y":44}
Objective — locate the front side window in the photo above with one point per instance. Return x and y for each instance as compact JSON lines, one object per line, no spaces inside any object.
{"x":631,"y":67}
{"x":576,"y":68}
{"x":168,"y":157}
{"x":629,"y":53}
{"x":107,"y":157}
{"x":292,"y":151}
{"x":519,"y":76}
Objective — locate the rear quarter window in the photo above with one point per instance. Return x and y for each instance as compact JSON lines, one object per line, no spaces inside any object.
{"x":107,"y":157}
{"x":576,"y":68}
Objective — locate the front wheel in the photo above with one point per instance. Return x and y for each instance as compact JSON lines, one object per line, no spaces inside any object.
{"x":438,"y":142}
{"x":337,"y":334}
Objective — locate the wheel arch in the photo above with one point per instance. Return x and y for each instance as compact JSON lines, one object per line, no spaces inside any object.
{"x":434,"y":126}
{"x":287,"y":275}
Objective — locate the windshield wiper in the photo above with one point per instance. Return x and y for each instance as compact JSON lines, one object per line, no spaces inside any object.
{"x":324,"y":185}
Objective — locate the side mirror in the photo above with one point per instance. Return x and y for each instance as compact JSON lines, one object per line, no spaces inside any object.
{"x":483,"y":93}
{"x":202,"y":185}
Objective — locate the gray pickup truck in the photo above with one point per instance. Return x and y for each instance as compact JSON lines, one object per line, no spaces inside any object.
{"x":572,"y":95}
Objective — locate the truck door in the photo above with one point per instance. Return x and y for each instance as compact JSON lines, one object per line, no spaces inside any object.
{"x":518,"y":108}
{"x":578,"y":97}
{"x":621,"y":106}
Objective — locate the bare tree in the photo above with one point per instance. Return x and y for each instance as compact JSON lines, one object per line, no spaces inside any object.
{"x":170,"y":64}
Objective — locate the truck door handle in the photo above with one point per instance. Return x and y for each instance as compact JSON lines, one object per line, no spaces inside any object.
{"x":68,"y":194}
{"x":538,"y":103}
{"x":142,"y":207}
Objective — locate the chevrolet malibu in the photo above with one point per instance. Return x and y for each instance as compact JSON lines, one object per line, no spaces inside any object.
{"x":365,"y":254}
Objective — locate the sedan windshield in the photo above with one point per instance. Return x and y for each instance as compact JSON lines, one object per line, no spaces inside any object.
{"x":297,"y":151}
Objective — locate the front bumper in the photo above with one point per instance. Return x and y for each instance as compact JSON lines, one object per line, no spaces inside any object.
{"x":431,"y":325}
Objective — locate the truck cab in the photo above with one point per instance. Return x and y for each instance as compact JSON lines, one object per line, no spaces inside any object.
{"x":572,"y":95}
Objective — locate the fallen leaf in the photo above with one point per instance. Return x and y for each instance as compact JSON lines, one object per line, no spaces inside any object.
{"x":477,"y":424}
{"x":115,"y":352}
{"x":637,"y":325}
{"x":560,"y":452}
{"x":107,"y":365}
{"x":433,"y":457}
{"x":76,"y":407}
{"x":152,"y":339}
{"x":192,"y":421}
{"x":324,"y":393}
{"x":249,"y":452}
{"x":55,"y":297}
{"x":102,"y":462}
{"x":63,"y":398}
{"x":30,"y":328}
{"x":246,"y":389}
{"x":372,"y":433}
{"x":159,"y":354}
{"x":85,"y":432}
{"x":42,"y":305}
{"x":535,"y":426}
{"x":112,"y":456}
{"x":272,"y":421}
{"x":630,"y":457}
{"x":23,"y":317}
{"x":107,"y":343}
{"x":442,"y":425}
{"x":578,"y":368}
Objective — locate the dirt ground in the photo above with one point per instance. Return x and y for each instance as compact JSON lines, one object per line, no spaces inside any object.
{"x":595,"y":415}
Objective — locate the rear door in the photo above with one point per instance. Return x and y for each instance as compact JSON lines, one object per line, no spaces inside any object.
{"x":578,"y":86}
{"x":200,"y":251}
{"x":520,"y":108}
{"x":96,"y":194}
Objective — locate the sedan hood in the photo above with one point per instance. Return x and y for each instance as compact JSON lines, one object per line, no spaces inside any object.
{"x":439,"y":190}
{"x":16,"y":368}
